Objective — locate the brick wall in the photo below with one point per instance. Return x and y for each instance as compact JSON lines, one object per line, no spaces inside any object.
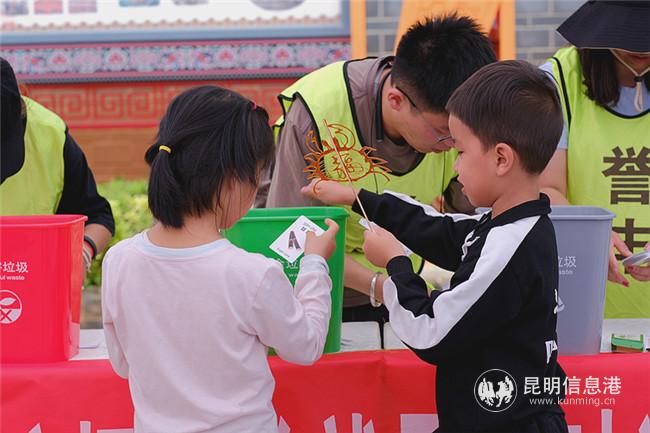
{"x":382,"y":20}
{"x":535,"y":26}
{"x":536,"y":23}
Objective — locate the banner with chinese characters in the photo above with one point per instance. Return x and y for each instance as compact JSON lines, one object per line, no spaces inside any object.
{"x":358,"y":392}
{"x":629,"y":174}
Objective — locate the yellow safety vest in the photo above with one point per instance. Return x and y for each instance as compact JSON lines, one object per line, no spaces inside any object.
{"x":326,"y":94}
{"x":608,"y":165}
{"x":36,"y":188}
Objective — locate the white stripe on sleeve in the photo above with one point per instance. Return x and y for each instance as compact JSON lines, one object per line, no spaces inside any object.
{"x":431,"y":211}
{"x":424,"y":332}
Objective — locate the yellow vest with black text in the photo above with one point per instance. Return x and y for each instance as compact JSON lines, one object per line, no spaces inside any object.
{"x":36,"y":188}
{"x":326,"y":94}
{"x":608,"y":165}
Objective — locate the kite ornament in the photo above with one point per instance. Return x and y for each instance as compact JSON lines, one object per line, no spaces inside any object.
{"x":349,"y":163}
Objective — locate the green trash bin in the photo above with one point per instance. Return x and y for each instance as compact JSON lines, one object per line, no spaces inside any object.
{"x":257,"y":230}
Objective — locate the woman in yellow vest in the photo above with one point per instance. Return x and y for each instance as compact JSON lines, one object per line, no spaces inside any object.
{"x":43,"y":171}
{"x":603,"y":158}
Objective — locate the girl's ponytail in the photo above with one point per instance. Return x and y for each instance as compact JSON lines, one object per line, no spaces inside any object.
{"x":165,"y":195}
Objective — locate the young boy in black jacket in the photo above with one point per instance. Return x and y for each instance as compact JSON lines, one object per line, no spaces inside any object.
{"x":492,"y":333}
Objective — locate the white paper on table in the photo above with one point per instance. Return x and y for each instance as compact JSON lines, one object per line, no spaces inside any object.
{"x":365,"y":224}
{"x":291,"y":243}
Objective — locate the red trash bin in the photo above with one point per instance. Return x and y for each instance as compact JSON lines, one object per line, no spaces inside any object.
{"x":41,"y":271}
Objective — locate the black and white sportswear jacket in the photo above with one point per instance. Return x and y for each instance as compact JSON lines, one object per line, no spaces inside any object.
{"x":497,"y":319}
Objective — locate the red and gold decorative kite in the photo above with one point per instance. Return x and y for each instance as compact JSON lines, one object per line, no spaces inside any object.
{"x":340,"y":152}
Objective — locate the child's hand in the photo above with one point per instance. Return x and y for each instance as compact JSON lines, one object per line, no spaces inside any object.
{"x":330,"y":192}
{"x":381,"y":246}
{"x":325,"y":244}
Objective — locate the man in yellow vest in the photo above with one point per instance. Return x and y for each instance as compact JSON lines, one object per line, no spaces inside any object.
{"x":603,"y":158}
{"x":392,"y":104}
{"x":43,"y":171}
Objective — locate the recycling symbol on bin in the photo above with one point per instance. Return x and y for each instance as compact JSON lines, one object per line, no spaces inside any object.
{"x":10,"y":307}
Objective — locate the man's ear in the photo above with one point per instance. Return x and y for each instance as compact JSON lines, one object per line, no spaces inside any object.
{"x":505,"y":158}
{"x":396,"y":99}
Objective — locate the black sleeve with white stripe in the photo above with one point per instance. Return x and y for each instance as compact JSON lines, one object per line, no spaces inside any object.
{"x":436,"y":237}
{"x":485,"y":296}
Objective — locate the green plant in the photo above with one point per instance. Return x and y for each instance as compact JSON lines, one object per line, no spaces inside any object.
{"x":128,"y":199}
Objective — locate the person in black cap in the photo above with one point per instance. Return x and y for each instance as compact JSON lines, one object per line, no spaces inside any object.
{"x":43,"y":170}
{"x":603,"y":158}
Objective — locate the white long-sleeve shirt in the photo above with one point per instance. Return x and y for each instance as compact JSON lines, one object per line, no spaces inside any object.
{"x":190,"y":329}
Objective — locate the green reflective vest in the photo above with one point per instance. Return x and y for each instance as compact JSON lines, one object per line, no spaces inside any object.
{"x":326,"y":94}
{"x":608,"y":165}
{"x":37,"y":187}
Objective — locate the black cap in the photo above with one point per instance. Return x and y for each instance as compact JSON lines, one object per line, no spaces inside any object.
{"x":610,"y":24}
{"x":12,"y":127}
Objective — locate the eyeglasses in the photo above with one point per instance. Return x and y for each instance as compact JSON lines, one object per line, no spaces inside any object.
{"x":440,"y":138}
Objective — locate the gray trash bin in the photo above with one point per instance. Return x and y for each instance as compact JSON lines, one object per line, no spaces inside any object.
{"x":583,"y":235}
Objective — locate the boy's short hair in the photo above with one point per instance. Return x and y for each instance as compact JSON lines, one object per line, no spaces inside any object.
{"x":436,"y":55}
{"x":515,"y":103}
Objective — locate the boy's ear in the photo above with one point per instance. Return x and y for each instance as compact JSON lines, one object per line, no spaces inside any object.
{"x":505,"y":158}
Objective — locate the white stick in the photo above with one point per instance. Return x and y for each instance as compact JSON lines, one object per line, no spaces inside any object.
{"x":347,"y":174}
